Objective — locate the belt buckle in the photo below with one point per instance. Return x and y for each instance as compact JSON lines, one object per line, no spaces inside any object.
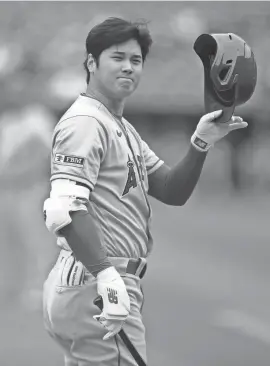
{"x":140,"y":271}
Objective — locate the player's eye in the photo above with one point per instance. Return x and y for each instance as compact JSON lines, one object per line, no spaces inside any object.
{"x":118,"y":58}
{"x":136,"y":61}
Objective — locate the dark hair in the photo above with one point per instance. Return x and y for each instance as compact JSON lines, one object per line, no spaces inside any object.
{"x":115,"y":31}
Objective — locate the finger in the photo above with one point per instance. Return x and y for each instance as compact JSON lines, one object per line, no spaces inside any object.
{"x":213,"y":115}
{"x":112,"y":332}
{"x":237,"y":125}
{"x":236,"y":119}
{"x":100,"y":319}
{"x":97,"y":317}
{"x":109,"y":335}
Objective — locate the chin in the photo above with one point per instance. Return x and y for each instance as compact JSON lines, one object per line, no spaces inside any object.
{"x":124,"y":93}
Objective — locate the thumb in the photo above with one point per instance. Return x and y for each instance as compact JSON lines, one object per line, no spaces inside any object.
{"x":213,"y":115}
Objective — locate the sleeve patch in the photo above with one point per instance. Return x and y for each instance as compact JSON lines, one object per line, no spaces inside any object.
{"x":69,"y":160}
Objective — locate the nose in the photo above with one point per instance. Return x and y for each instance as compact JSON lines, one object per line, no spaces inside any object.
{"x":127,"y":67}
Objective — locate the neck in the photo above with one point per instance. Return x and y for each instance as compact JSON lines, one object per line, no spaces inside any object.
{"x":115,"y":106}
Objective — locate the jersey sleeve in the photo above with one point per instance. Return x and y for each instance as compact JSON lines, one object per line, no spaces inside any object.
{"x":79,"y":146}
{"x":152,"y":161}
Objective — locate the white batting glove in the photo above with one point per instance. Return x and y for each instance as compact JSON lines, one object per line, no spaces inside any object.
{"x":116,"y":302}
{"x":208,"y":132}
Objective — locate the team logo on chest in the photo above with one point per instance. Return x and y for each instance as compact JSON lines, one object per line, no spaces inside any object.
{"x":131,"y":179}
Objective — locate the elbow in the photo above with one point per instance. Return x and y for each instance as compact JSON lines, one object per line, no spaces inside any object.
{"x":176,"y":201}
{"x":182,"y":202}
{"x":176,"y":196}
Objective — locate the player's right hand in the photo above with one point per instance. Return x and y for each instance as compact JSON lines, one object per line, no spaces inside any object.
{"x":209,"y":131}
{"x":116,"y":302}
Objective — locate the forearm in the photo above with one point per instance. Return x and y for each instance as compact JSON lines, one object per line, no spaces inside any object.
{"x":84,"y":240}
{"x":183,"y":178}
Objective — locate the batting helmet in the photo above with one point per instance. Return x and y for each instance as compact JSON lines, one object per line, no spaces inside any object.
{"x":230,"y":72}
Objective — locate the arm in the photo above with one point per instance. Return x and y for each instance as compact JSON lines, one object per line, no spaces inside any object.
{"x":79,"y":147}
{"x":174,"y":186}
{"x":68,"y":214}
{"x":84,"y":240}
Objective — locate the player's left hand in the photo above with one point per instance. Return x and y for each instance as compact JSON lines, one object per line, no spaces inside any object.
{"x":208,"y":131}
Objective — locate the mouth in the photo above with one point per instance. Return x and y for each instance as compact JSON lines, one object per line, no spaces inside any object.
{"x":125,"y":78}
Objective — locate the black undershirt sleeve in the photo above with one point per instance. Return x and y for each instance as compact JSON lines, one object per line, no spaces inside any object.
{"x":85,"y":242}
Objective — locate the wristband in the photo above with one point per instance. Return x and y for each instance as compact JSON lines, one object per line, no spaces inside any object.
{"x":199,"y":144}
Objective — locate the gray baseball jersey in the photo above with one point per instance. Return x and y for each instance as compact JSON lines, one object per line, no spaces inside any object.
{"x":92,"y":146}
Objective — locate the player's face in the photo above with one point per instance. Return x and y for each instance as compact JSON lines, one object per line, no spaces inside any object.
{"x":119,"y":70}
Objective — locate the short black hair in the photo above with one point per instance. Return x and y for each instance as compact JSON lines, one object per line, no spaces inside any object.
{"x":115,"y":31}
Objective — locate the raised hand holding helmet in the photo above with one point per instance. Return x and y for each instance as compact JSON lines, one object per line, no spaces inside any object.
{"x":208,"y":131}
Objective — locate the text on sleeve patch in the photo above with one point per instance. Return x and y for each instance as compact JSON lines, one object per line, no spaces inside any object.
{"x":69,"y":160}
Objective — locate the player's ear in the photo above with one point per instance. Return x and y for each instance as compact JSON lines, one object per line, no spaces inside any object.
{"x":91,"y":63}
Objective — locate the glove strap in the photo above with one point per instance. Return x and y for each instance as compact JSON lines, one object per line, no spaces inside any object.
{"x":199,"y":144}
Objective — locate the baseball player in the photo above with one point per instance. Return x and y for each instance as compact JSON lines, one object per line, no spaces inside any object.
{"x":102,"y":174}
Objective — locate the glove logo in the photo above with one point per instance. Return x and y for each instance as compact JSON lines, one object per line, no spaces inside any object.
{"x":200,"y":143}
{"x":112,"y":296}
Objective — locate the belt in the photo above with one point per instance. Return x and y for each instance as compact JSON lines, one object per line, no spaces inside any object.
{"x":136,"y":267}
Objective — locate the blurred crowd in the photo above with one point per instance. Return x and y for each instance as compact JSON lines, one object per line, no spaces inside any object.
{"x":41,"y":73}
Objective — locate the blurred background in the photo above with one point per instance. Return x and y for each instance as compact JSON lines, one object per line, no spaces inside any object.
{"x":207,"y":286}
